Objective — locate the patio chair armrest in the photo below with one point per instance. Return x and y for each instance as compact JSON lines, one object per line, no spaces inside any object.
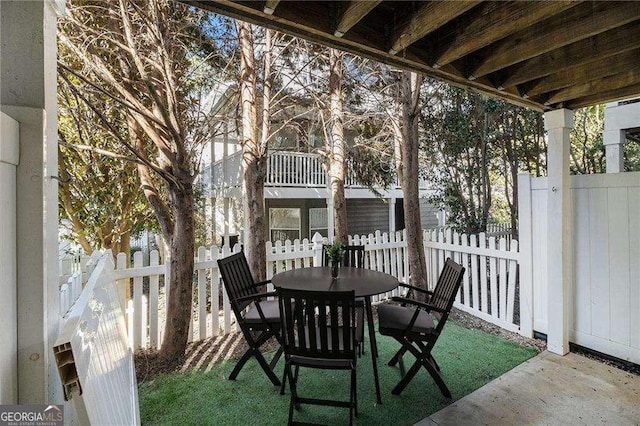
{"x":419,"y":304}
{"x":418,"y":289}
{"x":254,"y":296}
{"x":261,"y":283}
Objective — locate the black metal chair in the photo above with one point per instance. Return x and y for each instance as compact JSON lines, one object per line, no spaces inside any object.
{"x":318,"y":331}
{"x":353,"y":257}
{"x":417,"y":327}
{"x":253,"y":312}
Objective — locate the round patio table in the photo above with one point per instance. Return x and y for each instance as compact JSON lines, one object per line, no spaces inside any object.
{"x":364,"y":282}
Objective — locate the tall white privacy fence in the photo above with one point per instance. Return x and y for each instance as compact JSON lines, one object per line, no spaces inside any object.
{"x":489,"y":289}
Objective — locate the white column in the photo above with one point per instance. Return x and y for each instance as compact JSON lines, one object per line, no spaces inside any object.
{"x":392,"y":215}
{"x":9,"y":155}
{"x":558,"y":125}
{"x":330,"y":219}
{"x":613,"y":141}
{"x":28,"y":95}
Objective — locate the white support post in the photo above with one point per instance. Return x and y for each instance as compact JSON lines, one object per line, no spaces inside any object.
{"x":9,"y":159}
{"x":525,"y":238}
{"x":558,"y":124}
{"x":330,"y":219}
{"x":28,"y":95}
{"x":613,"y":141}
{"x":392,"y":215}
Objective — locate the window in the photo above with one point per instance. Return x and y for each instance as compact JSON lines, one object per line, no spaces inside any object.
{"x":284,"y":224}
{"x":318,"y":222}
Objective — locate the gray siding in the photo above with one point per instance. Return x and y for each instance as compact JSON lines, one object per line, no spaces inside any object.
{"x":428,"y":214}
{"x":365,"y":216}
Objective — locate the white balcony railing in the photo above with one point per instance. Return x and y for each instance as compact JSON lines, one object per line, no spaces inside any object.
{"x":284,"y":168}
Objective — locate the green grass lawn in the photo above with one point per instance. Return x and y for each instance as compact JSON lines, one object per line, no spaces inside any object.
{"x":468,"y":359}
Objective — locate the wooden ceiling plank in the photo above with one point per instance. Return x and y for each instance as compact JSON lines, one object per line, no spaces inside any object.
{"x":352,"y":14}
{"x":588,"y":72}
{"x":578,"y":23}
{"x":582,"y":52}
{"x":428,"y":18}
{"x":618,"y":81}
{"x":493,"y":21}
{"x":608,"y":96}
{"x":270,"y":6}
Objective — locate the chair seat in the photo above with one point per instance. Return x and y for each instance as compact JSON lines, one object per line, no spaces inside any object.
{"x":270,"y":310}
{"x":394,"y":319}
{"x":321,"y":363}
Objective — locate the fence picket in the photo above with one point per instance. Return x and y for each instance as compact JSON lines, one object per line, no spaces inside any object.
{"x":465,"y":279}
{"x":511,"y":296}
{"x":154,"y":335}
{"x":474,"y":275}
{"x":202,"y":295}
{"x":493,"y":279}
{"x":482,"y":242}
{"x":137,"y":303}
{"x":215,"y":294}
{"x":503,"y":281}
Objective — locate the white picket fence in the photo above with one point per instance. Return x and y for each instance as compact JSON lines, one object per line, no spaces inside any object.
{"x":488,"y":290}
{"x":490,"y":282}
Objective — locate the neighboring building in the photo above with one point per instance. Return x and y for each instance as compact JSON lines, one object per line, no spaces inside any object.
{"x":297,"y":194}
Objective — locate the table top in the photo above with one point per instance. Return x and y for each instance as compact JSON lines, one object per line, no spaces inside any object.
{"x":365,"y":282}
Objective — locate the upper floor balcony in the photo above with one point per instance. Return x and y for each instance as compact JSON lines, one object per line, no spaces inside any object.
{"x":290,"y":174}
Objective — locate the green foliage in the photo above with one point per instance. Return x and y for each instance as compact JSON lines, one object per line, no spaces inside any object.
{"x":587,"y":149}
{"x":335,"y":252}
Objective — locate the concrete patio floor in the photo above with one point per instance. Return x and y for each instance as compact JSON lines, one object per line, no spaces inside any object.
{"x":550,"y":390}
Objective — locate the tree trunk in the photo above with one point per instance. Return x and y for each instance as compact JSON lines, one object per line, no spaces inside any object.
{"x":253,"y":161}
{"x":181,"y":259}
{"x":336,"y":157}
{"x":410,"y":98}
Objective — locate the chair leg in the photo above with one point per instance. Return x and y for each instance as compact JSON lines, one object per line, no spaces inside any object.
{"x":284,"y":381}
{"x":241,"y":362}
{"x":397,"y":357}
{"x":276,"y":358}
{"x":269,"y":372}
{"x":422,"y":362}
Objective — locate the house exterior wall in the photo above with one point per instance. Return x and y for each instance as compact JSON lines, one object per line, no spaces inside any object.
{"x":365,"y":216}
{"x":428,"y":214}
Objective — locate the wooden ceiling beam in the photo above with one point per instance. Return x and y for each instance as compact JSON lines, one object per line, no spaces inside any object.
{"x":582,"y":52}
{"x":352,"y":14}
{"x":428,"y":18}
{"x":270,"y":6}
{"x":493,"y":21}
{"x":588,"y":72}
{"x":578,"y":23}
{"x":628,"y":78}
{"x":600,"y":98}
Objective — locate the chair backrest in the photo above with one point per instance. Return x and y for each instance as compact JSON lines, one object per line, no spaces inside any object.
{"x":353,"y":256}
{"x":447,"y":287}
{"x":318,"y":324}
{"x":237,"y":280}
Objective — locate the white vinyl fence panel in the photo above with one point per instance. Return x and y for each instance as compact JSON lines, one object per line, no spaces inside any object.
{"x":605,"y":290}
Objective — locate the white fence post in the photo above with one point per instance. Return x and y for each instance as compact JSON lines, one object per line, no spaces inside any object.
{"x":525,"y":237}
